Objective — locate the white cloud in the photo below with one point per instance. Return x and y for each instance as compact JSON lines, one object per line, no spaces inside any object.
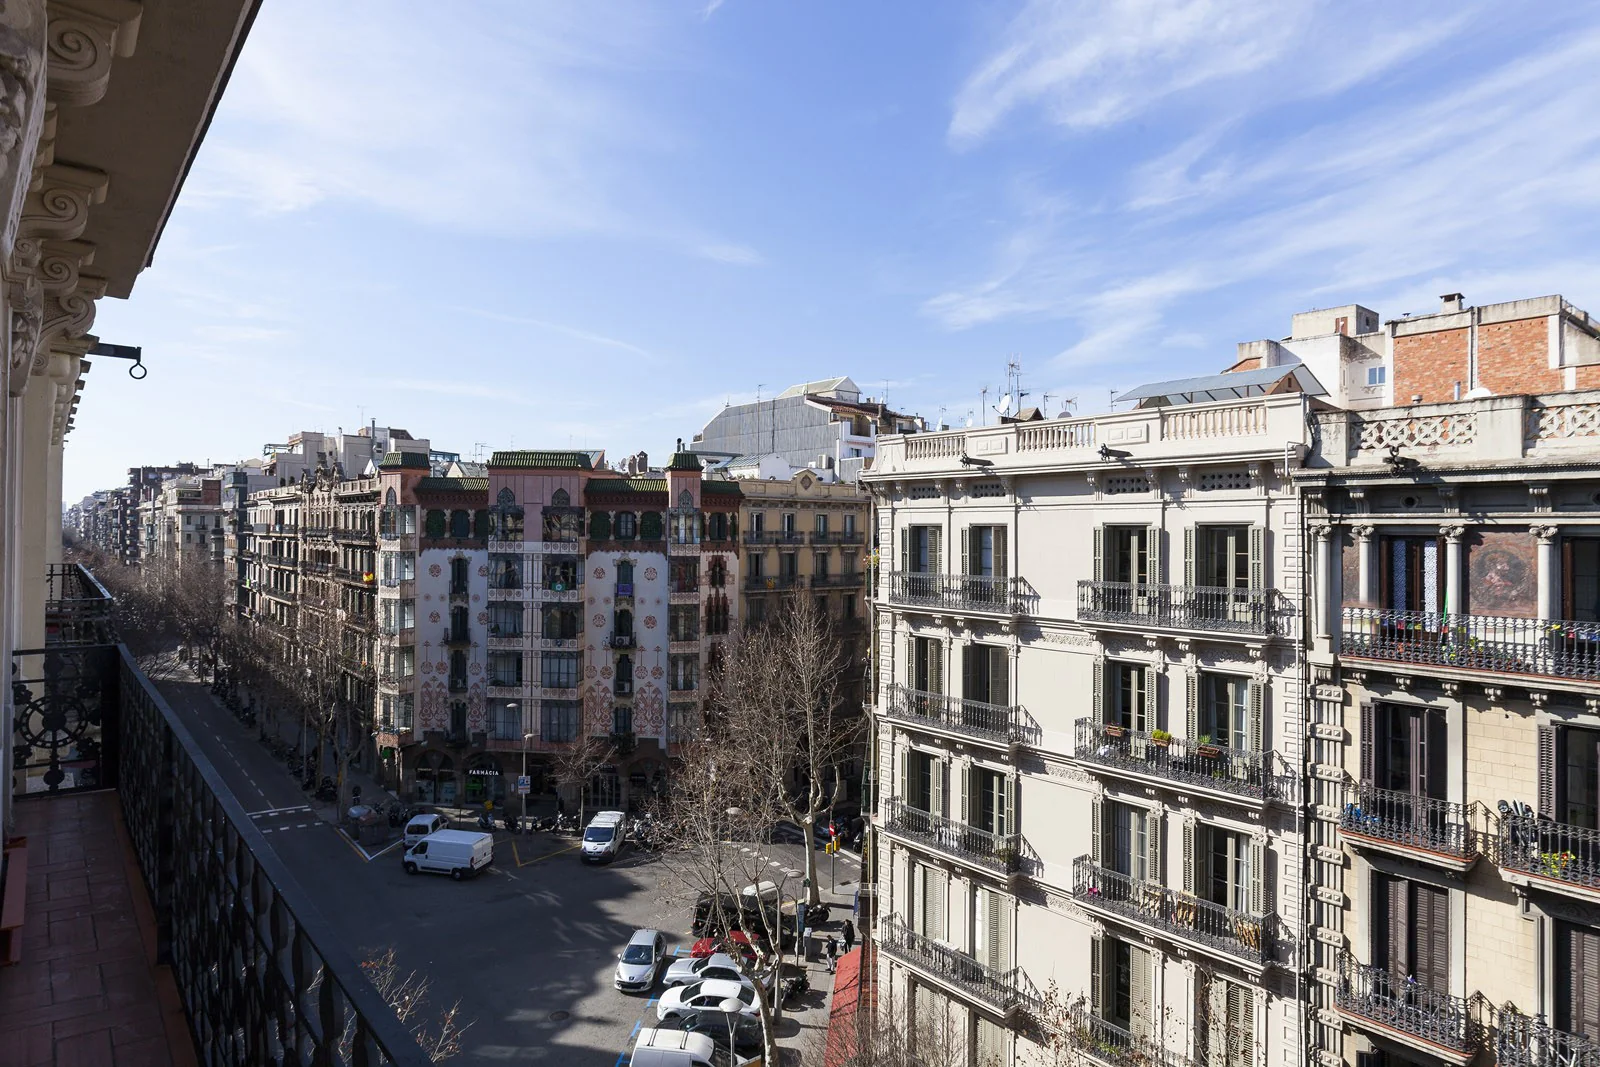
{"x":738,"y":255}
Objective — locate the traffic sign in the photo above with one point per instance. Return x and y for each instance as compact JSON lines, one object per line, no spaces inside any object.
{"x":524,"y":785}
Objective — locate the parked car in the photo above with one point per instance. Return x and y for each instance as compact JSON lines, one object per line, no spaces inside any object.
{"x":602,"y":838}
{"x":639,"y":962}
{"x":674,"y":1048}
{"x":458,"y":853}
{"x":735,"y":943}
{"x":714,"y":1024}
{"x":721,"y":965}
{"x":421,"y":826}
{"x":680,"y":1000}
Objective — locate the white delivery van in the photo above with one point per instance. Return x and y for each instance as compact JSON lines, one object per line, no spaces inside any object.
{"x":421,"y":826}
{"x":458,"y":853}
{"x":671,"y":1048}
{"x":602,"y":838}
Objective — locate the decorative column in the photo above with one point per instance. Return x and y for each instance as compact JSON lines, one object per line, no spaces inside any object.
{"x":1324,"y":581}
{"x":1452,"y":567}
{"x":1549,"y":577}
{"x":1365,"y":548}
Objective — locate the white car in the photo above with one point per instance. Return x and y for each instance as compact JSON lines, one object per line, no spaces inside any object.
{"x":684,"y":999}
{"x":720,"y":965}
{"x":641,"y":961}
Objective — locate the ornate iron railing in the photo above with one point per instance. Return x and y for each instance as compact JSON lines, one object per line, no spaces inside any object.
{"x":1403,"y":1004}
{"x":77,"y":609}
{"x":1554,"y":850}
{"x":1001,"y":853}
{"x":1185,"y":915}
{"x":836,"y":537}
{"x":958,"y":592}
{"x":987,"y":722}
{"x":1001,"y":990}
{"x":1180,"y":607}
{"x":836,"y":581}
{"x":64,"y":732}
{"x":1111,"y":1044}
{"x":765,"y":583}
{"x":1525,"y":1041}
{"x":1494,"y":643}
{"x":1408,"y":819}
{"x":1181,"y":759}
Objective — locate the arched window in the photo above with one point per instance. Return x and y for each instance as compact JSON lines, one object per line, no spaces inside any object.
{"x":686,"y":499}
{"x":627,"y":526}
{"x":506,"y":498}
{"x":599,"y":526}
{"x":435,"y":523}
{"x":650,"y":526}
{"x":625,"y":572}
{"x":390,"y":499}
{"x":560,"y":499}
{"x":460,"y":523}
{"x":458,"y":577}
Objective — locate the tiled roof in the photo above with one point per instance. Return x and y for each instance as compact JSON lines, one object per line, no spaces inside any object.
{"x":601,"y":486}
{"x":683,"y":461}
{"x":721,"y":488}
{"x":453,"y":485}
{"x":414,"y":460}
{"x":544,"y":460}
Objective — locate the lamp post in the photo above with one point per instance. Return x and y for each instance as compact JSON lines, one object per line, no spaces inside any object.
{"x":730,"y":1008}
{"x":525,"y":739}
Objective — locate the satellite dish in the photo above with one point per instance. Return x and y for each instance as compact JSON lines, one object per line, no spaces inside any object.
{"x":1004,"y":406}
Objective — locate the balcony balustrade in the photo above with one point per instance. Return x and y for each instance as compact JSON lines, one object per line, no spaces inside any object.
{"x":1212,"y":609}
{"x":1184,"y":915}
{"x":624,"y":590}
{"x":836,"y":537}
{"x":774,"y":537}
{"x":454,"y":636}
{"x":622,"y":640}
{"x":1556,"y":854}
{"x":1525,"y":1041}
{"x":1001,"y":853}
{"x":1494,"y":644}
{"x":1111,"y":1044}
{"x":315,"y":533}
{"x":1179,"y":759}
{"x":1002,"y":990}
{"x":771,"y":583}
{"x":1401,"y":1005}
{"x":353,"y":536}
{"x":1391,"y":817}
{"x":77,"y":609}
{"x":837,"y":581}
{"x":993,"y":723}
{"x":957,"y":592}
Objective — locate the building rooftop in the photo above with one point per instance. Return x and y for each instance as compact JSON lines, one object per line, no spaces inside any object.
{"x":453,"y":485}
{"x":544,"y":460}
{"x":1230,"y":385}
{"x":603,"y":486}
{"x":405,"y":460}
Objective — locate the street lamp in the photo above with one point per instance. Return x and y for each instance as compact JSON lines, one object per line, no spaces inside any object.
{"x":731,"y":1007}
{"x":513,"y":706}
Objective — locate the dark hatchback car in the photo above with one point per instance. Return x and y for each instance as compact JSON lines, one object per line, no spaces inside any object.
{"x":714,"y":1024}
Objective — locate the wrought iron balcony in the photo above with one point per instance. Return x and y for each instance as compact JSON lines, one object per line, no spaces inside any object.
{"x":770,"y":583}
{"x":836,"y":537}
{"x":1001,"y":853}
{"x":1213,"y":609}
{"x":1525,"y":1041}
{"x":275,"y":975}
{"x":624,"y":590}
{"x":1002,"y":990}
{"x":1184,"y":915}
{"x":1555,"y":853}
{"x":994,"y":723}
{"x":1412,"y":822}
{"x":774,"y":537}
{"x":957,"y":592}
{"x":622,"y":640}
{"x":836,"y":581}
{"x":453,"y":636}
{"x":1193,"y":762}
{"x":1111,"y":1044}
{"x":1494,"y":644}
{"x":1402,"y":1005}
{"x":77,"y":609}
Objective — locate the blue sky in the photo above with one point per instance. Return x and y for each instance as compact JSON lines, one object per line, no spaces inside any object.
{"x":586,"y":224}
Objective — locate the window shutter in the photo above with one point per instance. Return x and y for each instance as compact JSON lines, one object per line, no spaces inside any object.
{"x":1099,"y":553}
{"x":1142,"y":1002}
{"x":1369,"y":743}
{"x":991,"y":921}
{"x":905,"y":548}
{"x":967,"y":805}
{"x":935,"y":554}
{"x":1191,"y":681}
{"x":1258,"y":562}
{"x":1001,"y":931}
{"x":1258,"y":877}
{"x":1433,"y":938}
{"x":1001,"y":562}
{"x":1152,"y":540}
{"x":1395,"y":950}
{"x":1149,"y":704}
{"x":940,"y":883}
{"x":1254,"y":714}
{"x":1188,"y":856}
{"x":969,"y":673}
{"x":1097,"y":820}
{"x":905,"y":776}
{"x":1154,"y":825}
{"x":1547,"y":771}
{"x":969,"y":553}
{"x":936,"y":665}
{"x":1216,"y":1005}
{"x":1097,"y":697}
{"x":1010,"y":806}
{"x":937,"y":782}
{"x":999,"y":676}
{"x":1241,"y":1018}
{"x":1188,"y":555}
{"x":1097,"y":954}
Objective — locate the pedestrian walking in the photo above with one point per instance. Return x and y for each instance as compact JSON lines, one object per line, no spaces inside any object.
{"x":849,"y":932}
{"x":831,"y":950}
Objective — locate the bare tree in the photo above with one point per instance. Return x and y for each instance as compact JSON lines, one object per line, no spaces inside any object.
{"x":882,"y":1030}
{"x":574,"y":765}
{"x":407,"y":994}
{"x":777,"y":698}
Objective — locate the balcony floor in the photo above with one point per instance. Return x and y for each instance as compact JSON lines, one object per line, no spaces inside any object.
{"x":86,"y":991}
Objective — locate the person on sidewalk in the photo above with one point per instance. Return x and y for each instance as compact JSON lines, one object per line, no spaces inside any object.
{"x":849,"y":933}
{"x":831,"y":950}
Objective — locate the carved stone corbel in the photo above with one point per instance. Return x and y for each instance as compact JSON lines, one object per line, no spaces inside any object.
{"x":1539,"y":495}
{"x":58,"y":205}
{"x":1545,"y":534}
{"x":84,"y":38}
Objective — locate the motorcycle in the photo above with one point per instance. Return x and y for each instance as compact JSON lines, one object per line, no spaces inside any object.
{"x":513,"y":824}
{"x":486,"y":822}
{"x":798,"y":986}
{"x":326,"y":790}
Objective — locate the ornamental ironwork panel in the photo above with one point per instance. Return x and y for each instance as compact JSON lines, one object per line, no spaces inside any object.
{"x":64,"y":729}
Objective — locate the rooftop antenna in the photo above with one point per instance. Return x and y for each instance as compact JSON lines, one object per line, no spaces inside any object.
{"x":983,"y":407}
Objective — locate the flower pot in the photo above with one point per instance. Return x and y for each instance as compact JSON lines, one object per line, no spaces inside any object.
{"x":1208,"y":751}
{"x":1116,"y":731}
{"x":1161,"y":742}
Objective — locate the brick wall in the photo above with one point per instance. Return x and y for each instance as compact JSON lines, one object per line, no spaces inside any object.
{"x":1514,"y":358}
{"x":1430,"y":364}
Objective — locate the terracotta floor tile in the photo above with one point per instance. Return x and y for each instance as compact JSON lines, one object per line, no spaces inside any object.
{"x":25,"y":1046}
{"x":71,"y":979}
{"x":148,"y":1052}
{"x":85,"y":1050}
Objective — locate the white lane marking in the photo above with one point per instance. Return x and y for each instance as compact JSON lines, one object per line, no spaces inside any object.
{"x":280,"y":811}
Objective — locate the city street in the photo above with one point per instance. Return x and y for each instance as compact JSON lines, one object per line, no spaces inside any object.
{"x":527,"y":948}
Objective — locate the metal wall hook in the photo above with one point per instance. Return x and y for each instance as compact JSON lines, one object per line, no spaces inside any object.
{"x":138,"y":371}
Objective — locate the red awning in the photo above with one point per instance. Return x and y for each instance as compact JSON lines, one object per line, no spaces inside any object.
{"x":855,"y":994}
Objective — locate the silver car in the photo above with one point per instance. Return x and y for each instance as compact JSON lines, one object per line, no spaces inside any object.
{"x":640,"y":961}
{"x":719,"y":965}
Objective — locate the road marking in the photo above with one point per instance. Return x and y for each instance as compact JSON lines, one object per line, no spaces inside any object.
{"x":523,"y":863}
{"x":279,"y":811}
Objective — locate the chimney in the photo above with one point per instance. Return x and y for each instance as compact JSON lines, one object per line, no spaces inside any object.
{"x":1449,"y":303}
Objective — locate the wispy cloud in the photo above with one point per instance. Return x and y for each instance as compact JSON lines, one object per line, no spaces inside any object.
{"x":738,"y":255}
{"x":587,"y":336}
{"x":452,"y":387}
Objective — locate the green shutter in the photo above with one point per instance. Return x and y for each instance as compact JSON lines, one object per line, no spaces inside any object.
{"x":1254,"y":714}
{"x":1191,"y":680}
{"x":935,"y":550}
{"x":1099,"y":553}
{"x":1097,"y":696}
{"x":1097,"y":955}
{"x":1188,"y":555}
{"x":1188,"y":856}
{"x":1258,"y":862}
{"x":1258,"y":563}
{"x":1149,"y":705}
{"x":1096,"y":829}
{"x":1152,"y":538}
{"x":1001,"y":559}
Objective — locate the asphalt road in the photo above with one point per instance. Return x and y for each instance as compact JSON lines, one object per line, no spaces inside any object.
{"x":527,"y":948}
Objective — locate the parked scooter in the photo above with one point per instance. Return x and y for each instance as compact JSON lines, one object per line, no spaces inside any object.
{"x":326,"y":790}
{"x":513,"y":823}
{"x":486,"y":822}
{"x":798,"y":986}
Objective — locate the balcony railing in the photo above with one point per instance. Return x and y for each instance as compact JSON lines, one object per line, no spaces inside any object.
{"x":836,"y":537}
{"x":1181,"y":759}
{"x":1111,"y":1044}
{"x":768,"y":583}
{"x":624,"y":590}
{"x":774,"y":537}
{"x":996,"y":852}
{"x":77,"y":609}
{"x":1492,"y":643}
{"x":457,"y":637}
{"x":1001,"y":990}
{"x":958,"y":592}
{"x":622,"y":640}
{"x":836,"y":581}
{"x":1184,"y":915}
{"x":1180,"y":607}
{"x":1404,"y":1005}
{"x":275,"y":975}
{"x":1556,"y":851}
{"x":1005,"y":725}
{"x":1524,"y":1041}
{"x":1412,"y":821}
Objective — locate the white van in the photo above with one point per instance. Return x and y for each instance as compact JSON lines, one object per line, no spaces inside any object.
{"x":421,"y":826}
{"x":671,"y":1048}
{"x":602,"y":838}
{"x":458,"y":853}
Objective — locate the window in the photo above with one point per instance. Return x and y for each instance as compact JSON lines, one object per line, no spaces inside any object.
{"x":1224,"y":557}
{"x":684,"y":673}
{"x":505,"y":668}
{"x":758,"y":523}
{"x":989,"y":804}
{"x":1411,"y":931}
{"x":756,"y":563}
{"x":929,"y":904}
{"x":460,"y":523}
{"x":849,"y":524}
{"x":822,"y":524}
{"x":559,"y":670}
{"x":985,"y":674}
{"x":1405,"y":749}
{"x":681,"y":720}
{"x":1577,"y":980}
{"x":788,"y":566}
{"x":1125,"y":554}
{"x":458,"y":577}
{"x":458,"y":624}
{"x":1120,"y":985}
{"x":622,"y":623}
{"x":683,"y":622}
{"x":685,"y":574}
{"x":756,"y":611}
{"x":561,"y":623}
{"x":405,"y":614}
{"x":983,"y":552}
{"x":405,"y":566}
{"x":1130,"y":697}
{"x":1128,"y":840}
{"x":505,"y":720}
{"x":788,"y":522}
{"x":717,"y":526}
{"x":819,"y":565}
{"x":505,"y":572}
{"x":624,"y":573}
{"x":458,"y":669}
{"x":991,"y":928}
{"x":560,"y":499}
{"x":847,"y":606}
{"x":1225,"y":711}
{"x":386,"y":712}
{"x":405,"y":711}
{"x":626,"y":526}
{"x":1409,"y":573}
{"x":1569,"y":778}
{"x":1227,"y":1012}
{"x":926,"y":663}
{"x":1226,"y":872}
{"x":561,"y":573}
{"x":717,"y":614}
{"x":1377,"y":375}
{"x":505,"y":620}
{"x":560,"y":720}
{"x":919,"y":549}
{"x":405,"y":662}
{"x":717,"y":572}
{"x":1580,"y":573}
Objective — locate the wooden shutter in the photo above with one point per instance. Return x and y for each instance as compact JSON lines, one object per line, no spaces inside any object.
{"x":1258,"y":877}
{"x":1547,"y":771}
{"x":1009,"y":807}
{"x":1099,"y":553}
{"x":1097,"y":969}
{"x":971,"y":551}
{"x":1097,"y":826}
{"x":935,"y":553}
{"x":1154,"y":826}
{"x":905,"y":548}
{"x":999,"y":675}
{"x":1000,"y":930}
{"x":1152,"y":567}
{"x":1188,"y":856}
{"x":1241,"y":1022}
{"x":1394,"y":936}
{"x":1430,"y":757}
{"x":1001,"y":560}
{"x":1097,"y":697}
{"x":1191,"y":682}
{"x":1216,"y":1035}
{"x":940,"y":901}
{"x":1141,"y":996}
{"x":1258,"y":562}
{"x":969,"y":806}
{"x":970,"y":689}
{"x":936,"y":665}
{"x":1188,"y":555}
{"x":1149,"y":703}
{"x":1255,"y":713}
{"x":1578,"y":958}
{"x":1138,"y":854}
{"x":936,"y":803}
{"x":1369,"y":743}
{"x":1432,"y":933}
{"x":905,"y":776}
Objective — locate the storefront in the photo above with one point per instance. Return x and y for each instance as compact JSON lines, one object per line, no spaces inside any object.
{"x":436,"y":779}
{"x":484,"y":780}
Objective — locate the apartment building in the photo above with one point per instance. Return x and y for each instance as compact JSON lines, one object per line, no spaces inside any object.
{"x":1088,"y":726}
{"x":1455,"y":833}
{"x":184,"y":521}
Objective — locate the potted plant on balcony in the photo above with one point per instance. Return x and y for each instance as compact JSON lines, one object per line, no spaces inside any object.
{"x":1160,"y":738}
{"x":1113,"y":729}
{"x":1205,"y":749}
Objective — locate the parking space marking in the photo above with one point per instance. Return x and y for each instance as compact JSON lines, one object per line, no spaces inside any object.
{"x":523,"y":863}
